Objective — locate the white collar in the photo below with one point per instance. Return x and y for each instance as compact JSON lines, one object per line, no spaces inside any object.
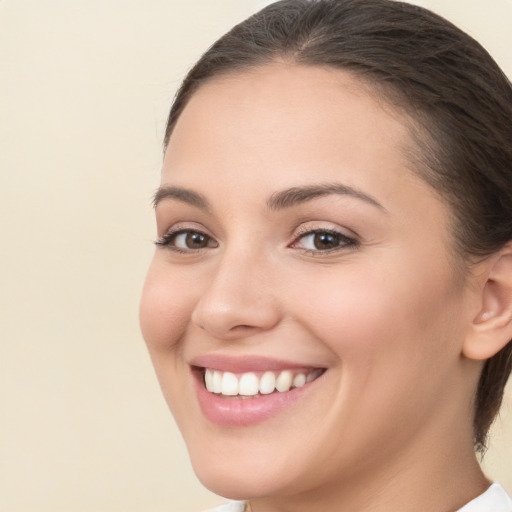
{"x":495,"y":499}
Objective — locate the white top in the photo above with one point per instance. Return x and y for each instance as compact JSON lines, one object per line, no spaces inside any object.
{"x":495,"y":499}
{"x":232,"y":506}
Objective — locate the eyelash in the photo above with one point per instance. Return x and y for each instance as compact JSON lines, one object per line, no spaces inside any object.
{"x":169,"y":239}
{"x":343,"y":241}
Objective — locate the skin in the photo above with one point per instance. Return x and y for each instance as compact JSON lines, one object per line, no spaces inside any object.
{"x":388,"y":315}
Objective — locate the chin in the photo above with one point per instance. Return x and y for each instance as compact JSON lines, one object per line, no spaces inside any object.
{"x":235,"y":483}
{"x":237,"y":479}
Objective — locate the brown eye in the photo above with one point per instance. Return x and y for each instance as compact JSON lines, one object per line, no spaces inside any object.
{"x":324,"y":241}
{"x":194,"y":240}
{"x":187,"y":240}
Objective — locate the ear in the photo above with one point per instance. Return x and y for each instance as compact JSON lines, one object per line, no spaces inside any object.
{"x":491,"y":329}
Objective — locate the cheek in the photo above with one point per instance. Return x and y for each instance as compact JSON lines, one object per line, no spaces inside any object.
{"x":382,"y":312}
{"x":395,"y":347}
{"x":165,"y":309}
{"x":166,"y":306}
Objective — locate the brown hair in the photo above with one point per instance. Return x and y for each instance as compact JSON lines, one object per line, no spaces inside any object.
{"x":455,"y":94}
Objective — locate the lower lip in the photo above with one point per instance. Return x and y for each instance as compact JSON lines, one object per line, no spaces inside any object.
{"x":241,"y":412}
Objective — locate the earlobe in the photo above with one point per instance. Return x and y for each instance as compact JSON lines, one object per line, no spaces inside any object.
{"x":491,"y":329}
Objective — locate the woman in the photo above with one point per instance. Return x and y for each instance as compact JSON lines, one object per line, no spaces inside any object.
{"x":329,"y":307}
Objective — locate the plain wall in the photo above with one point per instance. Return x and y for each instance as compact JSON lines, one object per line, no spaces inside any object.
{"x":85,"y":86}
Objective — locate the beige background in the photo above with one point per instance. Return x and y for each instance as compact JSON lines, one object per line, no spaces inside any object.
{"x":85,"y":86}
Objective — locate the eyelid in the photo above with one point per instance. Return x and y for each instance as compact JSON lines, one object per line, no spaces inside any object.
{"x":183,"y":226}
{"x":347,"y":240}
{"x":328,"y":227}
{"x":177,"y":229}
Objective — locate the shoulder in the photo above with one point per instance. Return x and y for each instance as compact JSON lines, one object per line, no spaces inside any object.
{"x":232,"y":506}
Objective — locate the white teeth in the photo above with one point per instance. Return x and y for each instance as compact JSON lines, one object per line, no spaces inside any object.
{"x":284,"y":381}
{"x":267,"y":383}
{"x":217,"y":382}
{"x":208,"y":380}
{"x":314,"y":375}
{"x":229,"y":384}
{"x":248,"y":384}
{"x":299,"y":380}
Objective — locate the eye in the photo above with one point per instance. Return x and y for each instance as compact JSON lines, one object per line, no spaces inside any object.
{"x":186,"y":240}
{"x":322,"y":241}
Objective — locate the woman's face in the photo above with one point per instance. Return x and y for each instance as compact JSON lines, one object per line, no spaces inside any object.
{"x":297,"y":245}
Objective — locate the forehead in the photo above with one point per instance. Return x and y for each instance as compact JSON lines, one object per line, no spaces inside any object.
{"x":285,"y":105}
{"x":290,"y":122}
{"x":286,"y":93}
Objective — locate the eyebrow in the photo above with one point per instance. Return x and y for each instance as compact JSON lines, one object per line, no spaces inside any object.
{"x":297,"y":195}
{"x":181,"y":194}
{"x":277,"y":201}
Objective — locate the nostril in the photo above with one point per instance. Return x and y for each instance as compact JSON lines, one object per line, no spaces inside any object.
{"x":242,"y":327}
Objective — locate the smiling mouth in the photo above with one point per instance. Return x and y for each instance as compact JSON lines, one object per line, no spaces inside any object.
{"x":257,"y":384}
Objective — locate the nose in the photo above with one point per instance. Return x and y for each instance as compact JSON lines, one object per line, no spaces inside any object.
{"x":239,"y":299}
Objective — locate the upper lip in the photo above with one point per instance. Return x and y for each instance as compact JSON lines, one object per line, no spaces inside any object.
{"x":242,"y":364}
